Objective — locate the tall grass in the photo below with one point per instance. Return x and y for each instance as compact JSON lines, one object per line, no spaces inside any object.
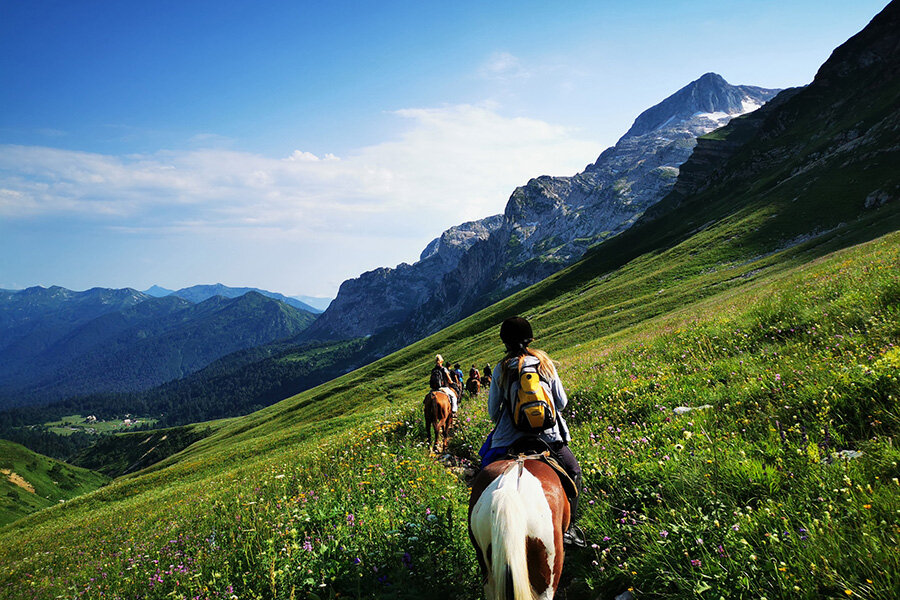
{"x":786,"y":486}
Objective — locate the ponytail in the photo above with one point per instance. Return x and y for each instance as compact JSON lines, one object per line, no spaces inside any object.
{"x":545,"y":367}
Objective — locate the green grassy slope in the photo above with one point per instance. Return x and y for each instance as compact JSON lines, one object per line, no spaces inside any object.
{"x":30,"y":482}
{"x":290,"y":497}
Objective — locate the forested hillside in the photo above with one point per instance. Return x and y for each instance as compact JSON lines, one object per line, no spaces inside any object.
{"x":58,"y":344}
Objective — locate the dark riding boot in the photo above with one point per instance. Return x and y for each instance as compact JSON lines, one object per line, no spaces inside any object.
{"x":574,"y":536}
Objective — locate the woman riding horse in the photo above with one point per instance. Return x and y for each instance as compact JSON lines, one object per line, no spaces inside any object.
{"x":486,"y":376}
{"x":473,"y":383}
{"x":521,"y":509}
{"x":516,"y":334}
{"x":442,"y":379}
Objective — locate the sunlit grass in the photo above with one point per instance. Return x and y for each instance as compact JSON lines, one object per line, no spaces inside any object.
{"x":332,"y":493}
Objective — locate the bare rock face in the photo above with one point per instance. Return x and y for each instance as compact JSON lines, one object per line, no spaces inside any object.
{"x":555,"y":219}
{"x":551,"y":221}
{"x":385,"y":297}
{"x":548,"y":223}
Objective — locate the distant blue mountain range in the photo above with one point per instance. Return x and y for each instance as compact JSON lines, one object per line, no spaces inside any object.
{"x":55,"y":343}
{"x":199,"y":293}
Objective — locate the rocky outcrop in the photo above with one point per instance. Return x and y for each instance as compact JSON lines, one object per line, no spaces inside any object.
{"x":386,"y":297}
{"x":552,"y":221}
{"x":548,"y":223}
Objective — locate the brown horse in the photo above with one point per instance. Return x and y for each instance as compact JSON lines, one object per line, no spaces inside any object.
{"x":486,"y":381}
{"x":473,"y":386}
{"x":518,"y":512}
{"x":437,"y":416}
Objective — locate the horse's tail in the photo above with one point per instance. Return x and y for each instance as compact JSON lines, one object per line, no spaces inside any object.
{"x":508,"y":532}
{"x":429,"y":407}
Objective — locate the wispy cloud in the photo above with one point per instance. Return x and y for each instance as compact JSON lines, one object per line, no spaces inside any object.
{"x":50,"y":132}
{"x":505,"y":66}
{"x":449,"y":164}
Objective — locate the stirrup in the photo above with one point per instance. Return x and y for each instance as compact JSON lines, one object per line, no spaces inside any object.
{"x":574,"y":536}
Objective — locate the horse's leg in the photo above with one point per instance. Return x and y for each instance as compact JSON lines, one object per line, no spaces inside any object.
{"x":429,"y":421}
{"x":437,"y":434}
{"x":447,"y":425}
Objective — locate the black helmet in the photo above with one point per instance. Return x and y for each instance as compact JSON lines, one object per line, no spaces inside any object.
{"x":516,"y":331}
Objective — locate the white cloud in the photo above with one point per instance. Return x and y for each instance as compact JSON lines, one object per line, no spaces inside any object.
{"x":206,"y":140}
{"x":51,"y":132}
{"x":448,"y":165}
{"x":503,"y":65}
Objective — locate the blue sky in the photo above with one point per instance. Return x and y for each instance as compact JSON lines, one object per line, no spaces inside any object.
{"x":292,"y":145}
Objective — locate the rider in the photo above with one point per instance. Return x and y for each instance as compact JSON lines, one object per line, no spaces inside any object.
{"x":459,"y":373}
{"x":443,"y":381}
{"x":486,"y":378}
{"x":516,"y":334}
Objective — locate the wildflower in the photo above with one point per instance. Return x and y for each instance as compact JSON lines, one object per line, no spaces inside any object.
{"x":663,"y":534}
{"x":695,"y":562}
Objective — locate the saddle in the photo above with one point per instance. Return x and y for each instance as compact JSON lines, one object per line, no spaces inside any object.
{"x":545,"y":455}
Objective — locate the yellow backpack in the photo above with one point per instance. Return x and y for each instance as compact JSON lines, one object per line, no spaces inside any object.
{"x":533,"y":409}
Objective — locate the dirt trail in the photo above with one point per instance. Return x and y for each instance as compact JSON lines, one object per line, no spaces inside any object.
{"x":18,"y":480}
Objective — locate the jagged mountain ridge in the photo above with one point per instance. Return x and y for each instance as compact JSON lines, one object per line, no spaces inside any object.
{"x":55,"y":343}
{"x":548,"y":223}
{"x":199,"y":293}
{"x":384,"y":297}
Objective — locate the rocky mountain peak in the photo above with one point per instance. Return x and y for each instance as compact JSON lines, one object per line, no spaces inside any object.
{"x":547,"y":223}
{"x":709,"y":96}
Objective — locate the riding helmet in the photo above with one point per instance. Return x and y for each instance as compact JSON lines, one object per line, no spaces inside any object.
{"x":516,"y":331}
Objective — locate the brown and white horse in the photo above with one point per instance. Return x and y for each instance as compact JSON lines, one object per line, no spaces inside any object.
{"x":437,"y":416}
{"x":518,"y":512}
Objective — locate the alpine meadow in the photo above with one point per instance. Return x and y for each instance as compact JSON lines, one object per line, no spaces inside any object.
{"x":732,"y":362}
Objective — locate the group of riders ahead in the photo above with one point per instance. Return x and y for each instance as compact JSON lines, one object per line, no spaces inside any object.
{"x":450,"y":381}
{"x":525,"y":402}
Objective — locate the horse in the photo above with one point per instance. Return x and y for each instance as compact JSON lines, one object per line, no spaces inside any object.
{"x":518,"y":512}
{"x":486,"y":381}
{"x":473,"y":386}
{"x":438,"y":416}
